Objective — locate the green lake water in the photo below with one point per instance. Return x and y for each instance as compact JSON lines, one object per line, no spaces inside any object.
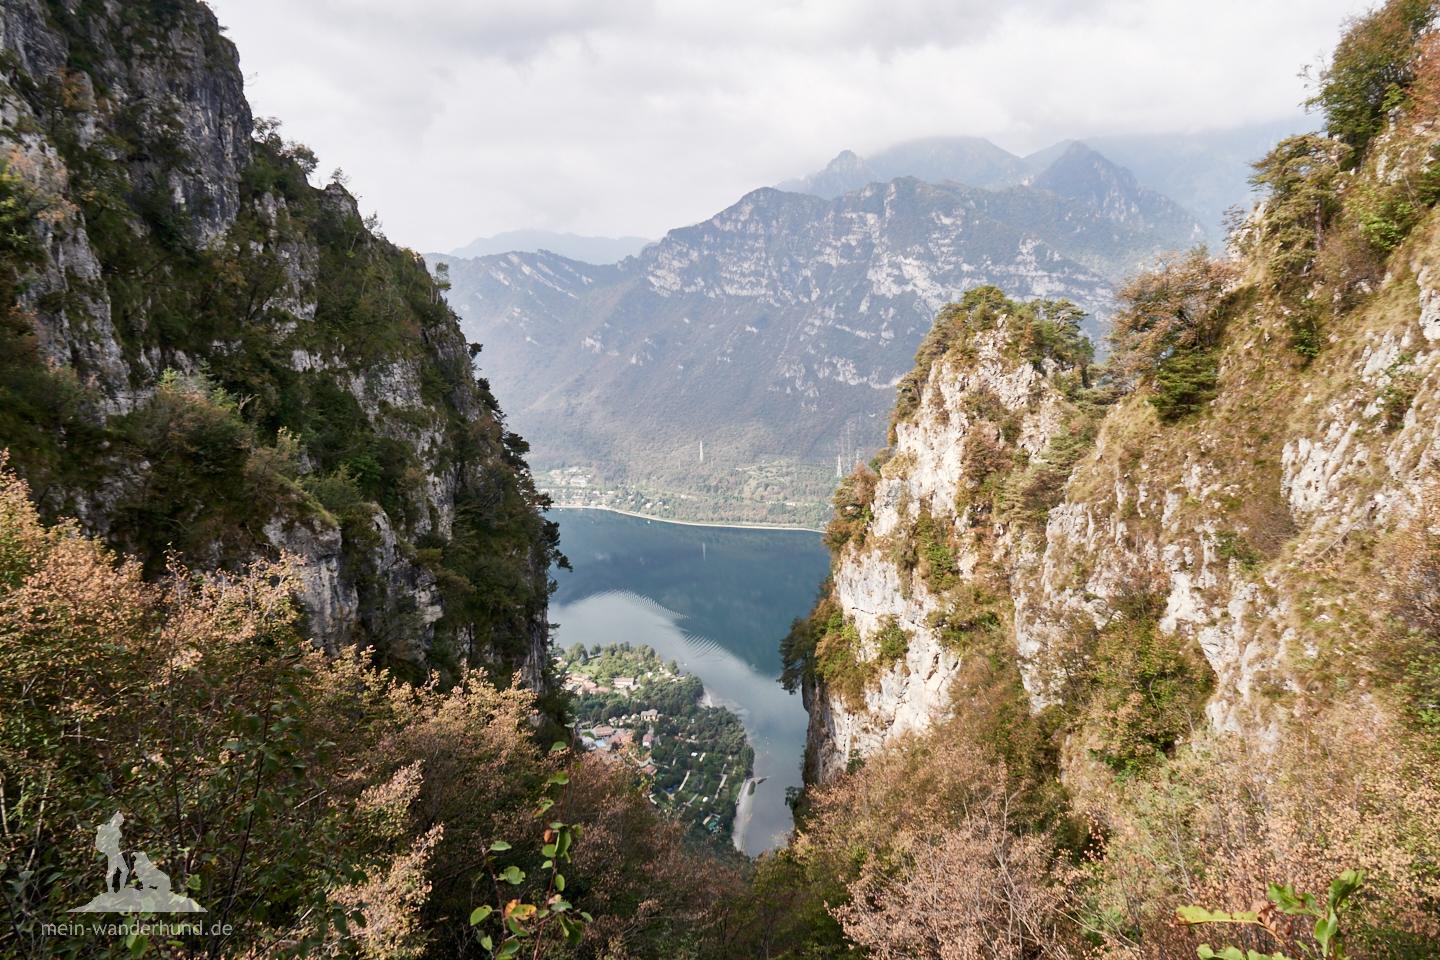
{"x":717,"y":600}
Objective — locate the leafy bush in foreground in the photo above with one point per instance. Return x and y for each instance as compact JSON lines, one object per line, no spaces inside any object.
{"x":317,"y":805}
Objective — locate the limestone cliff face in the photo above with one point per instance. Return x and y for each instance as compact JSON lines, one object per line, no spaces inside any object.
{"x":240,"y":365}
{"x":1253,"y":521}
{"x":973,"y":402}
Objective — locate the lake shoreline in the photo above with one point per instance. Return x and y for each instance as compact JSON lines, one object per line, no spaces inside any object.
{"x":687,"y":523}
{"x":716,"y":601}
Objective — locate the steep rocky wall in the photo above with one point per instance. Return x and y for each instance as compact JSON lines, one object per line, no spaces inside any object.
{"x":211,"y":356}
{"x":1255,"y":522}
{"x":961,"y":403}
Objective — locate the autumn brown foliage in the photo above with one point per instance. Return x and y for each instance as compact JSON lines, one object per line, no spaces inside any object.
{"x":934,"y":852}
{"x":1220,"y":822}
{"x":976,"y":891}
{"x":318,"y":805}
{"x":1409,"y":575}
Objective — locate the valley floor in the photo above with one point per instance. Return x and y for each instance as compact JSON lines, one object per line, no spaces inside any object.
{"x":771,"y":494}
{"x":685,"y":523}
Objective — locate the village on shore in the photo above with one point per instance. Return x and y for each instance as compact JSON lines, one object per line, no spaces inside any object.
{"x":633,"y":709}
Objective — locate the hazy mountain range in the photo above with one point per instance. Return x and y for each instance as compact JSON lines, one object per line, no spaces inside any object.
{"x":775,"y":331}
{"x":597,"y":250}
{"x":1075,"y":173}
{"x":1205,"y":173}
{"x":969,"y":160}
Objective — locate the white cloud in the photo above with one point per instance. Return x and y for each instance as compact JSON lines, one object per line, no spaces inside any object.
{"x":458,"y":118}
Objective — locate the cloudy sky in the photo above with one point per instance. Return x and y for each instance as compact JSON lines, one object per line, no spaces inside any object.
{"x":463,"y":118}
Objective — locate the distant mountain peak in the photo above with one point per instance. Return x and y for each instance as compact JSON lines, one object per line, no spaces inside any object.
{"x":1041,"y":159}
{"x":596,"y":250}
{"x":1080,"y":173}
{"x":846,"y":162}
{"x":972,"y":161}
{"x":846,"y":173}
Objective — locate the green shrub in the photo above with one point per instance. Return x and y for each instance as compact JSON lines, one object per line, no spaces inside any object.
{"x":1371,"y":69}
{"x":892,"y":644}
{"x":935,"y":558}
{"x":1398,"y":395}
{"x":826,"y":647}
{"x":1183,"y":385}
{"x":197,"y":445}
{"x":972,"y":614}
{"x":851,"y":502}
{"x":1029,"y":495}
{"x":984,"y":460}
{"x":797,"y":649}
{"x":1305,"y":332}
{"x":1387,"y":219}
{"x":1144,"y":688}
{"x":1167,"y":330}
{"x":1230,"y":545}
{"x":838,"y":662}
{"x":1051,"y":331}
{"x":1300,"y":176}
{"x":20,"y":207}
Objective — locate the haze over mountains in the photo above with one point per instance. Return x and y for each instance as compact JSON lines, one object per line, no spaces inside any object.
{"x":1204,"y":173}
{"x":585,"y":249}
{"x":775,"y":331}
{"x":972,"y":161}
{"x":1075,"y":172}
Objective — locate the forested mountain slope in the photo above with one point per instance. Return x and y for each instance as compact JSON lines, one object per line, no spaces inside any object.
{"x":204,"y":354}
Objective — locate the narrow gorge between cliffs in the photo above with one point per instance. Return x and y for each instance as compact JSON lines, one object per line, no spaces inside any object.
{"x":714,"y":599}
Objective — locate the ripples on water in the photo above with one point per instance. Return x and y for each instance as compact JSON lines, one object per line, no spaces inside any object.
{"x":715,"y":600}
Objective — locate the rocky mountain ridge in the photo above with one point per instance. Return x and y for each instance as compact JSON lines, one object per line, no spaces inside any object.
{"x":1207,"y":172}
{"x":1247,"y":540}
{"x":973,"y":161}
{"x":1070,"y":169}
{"x":772,"y":333}
{"x":595,"y":250}
{"x":209,"y":356}
{"x":1082,"y":174}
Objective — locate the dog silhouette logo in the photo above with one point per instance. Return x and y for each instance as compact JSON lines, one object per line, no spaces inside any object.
{"x":153,"y":893}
